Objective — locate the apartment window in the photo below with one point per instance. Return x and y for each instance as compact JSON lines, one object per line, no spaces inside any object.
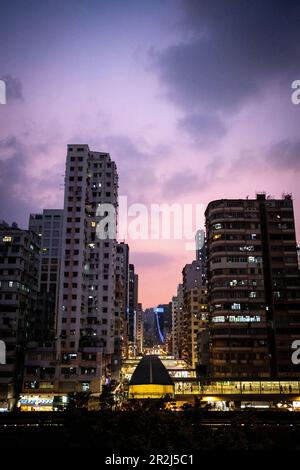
{"x":235,"y":306}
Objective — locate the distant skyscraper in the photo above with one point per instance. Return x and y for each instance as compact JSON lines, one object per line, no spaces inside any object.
{"x":139,"y":329}
{"x":149,"y":328}
{"x":86,"y":316}
{"x":253,"y":283}
{"x":122,"y":296}
{"x":194,"y":322}
{"x":193,"y":275}
{"x":163,"y":322}
{"x":132,"y":306}
{"x":200,"y":243}
{"x":194,"y":310}
{"x":177,"y":322}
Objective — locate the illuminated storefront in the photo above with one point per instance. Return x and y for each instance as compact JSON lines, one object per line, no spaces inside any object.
{"x":36,"y":403}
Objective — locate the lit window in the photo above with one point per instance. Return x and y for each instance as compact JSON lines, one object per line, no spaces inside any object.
{"x":7,"y":239}
{"x":85,"y":386}
{"x":93,"y":224}
{"x":235,"y":306}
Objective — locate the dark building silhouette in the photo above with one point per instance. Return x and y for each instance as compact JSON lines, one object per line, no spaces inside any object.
{"x":19,"y":267}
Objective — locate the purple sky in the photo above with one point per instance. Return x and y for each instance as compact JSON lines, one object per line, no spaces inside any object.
{"x":191,"y":98}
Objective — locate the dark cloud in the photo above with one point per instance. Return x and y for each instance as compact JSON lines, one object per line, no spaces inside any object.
{"x":202,"y":128}
{"x":281,"y":155}
{"x":14,"y":88}
{"x":230,"y":51}
{"x":12,"y":175}
{"x":181,"y":183}
{"x":188,"y":181}
{"x":285,"y":155}
{"x":20,"y":192}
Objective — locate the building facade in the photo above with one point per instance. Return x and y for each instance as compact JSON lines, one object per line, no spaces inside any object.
{"x":86,"y":314}
{"x":48,"y":226}
{"x":122,"y":296}
{"x":194,"y":321}
{"x":132,"y":309}
{"x":253,"y":286}
{"x":177,"y":322}
{"x":19,"y":268}
{"x":139,"y":329}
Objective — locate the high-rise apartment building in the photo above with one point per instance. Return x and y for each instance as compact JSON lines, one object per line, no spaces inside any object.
{"x":193,"y":275}
{"x":19,"y":266}
{"x":194,"y":321}
{"x":253,"y":287}
{"x":200,"y":245}
{"x":139,"y":329}
{"x":86,"y":313}
{"x":48,"y":226}
{"x":122,"y":294}
{"x":193,"y":315}
{"x":132,"y":308}
{"x":177,"y":322}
